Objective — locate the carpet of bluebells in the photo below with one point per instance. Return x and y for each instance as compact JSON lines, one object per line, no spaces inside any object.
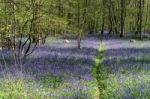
{"x":56,"y":70}
{"x":127,"y":65}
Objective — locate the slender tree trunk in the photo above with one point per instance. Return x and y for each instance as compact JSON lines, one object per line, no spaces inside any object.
{"x":110,"y":17}
{"x":103,"y":25}
{"x":14,"y":25}
{"x":141,"y":8}
{"x":122,"y":3}
{"x":146,"y":16}
{"x":79,"y":32}
{"x":103,"y":17}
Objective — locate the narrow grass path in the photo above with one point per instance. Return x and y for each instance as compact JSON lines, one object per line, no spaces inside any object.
{"x":99,"y":73}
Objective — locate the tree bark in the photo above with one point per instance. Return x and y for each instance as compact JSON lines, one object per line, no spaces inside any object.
{"x":122,"y":3}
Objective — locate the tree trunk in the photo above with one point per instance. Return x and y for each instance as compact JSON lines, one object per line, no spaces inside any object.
{"x":79,"y":32}
{"x":122,"y":3}
{"x":140,"y":17}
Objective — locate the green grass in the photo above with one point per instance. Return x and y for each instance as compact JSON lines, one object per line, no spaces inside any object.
{"x":122,"y":86}
{"x":24,"y":87}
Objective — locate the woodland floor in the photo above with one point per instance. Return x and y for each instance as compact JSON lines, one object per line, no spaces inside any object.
{"x":128,"y":67}
{"x":58,"y":70}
